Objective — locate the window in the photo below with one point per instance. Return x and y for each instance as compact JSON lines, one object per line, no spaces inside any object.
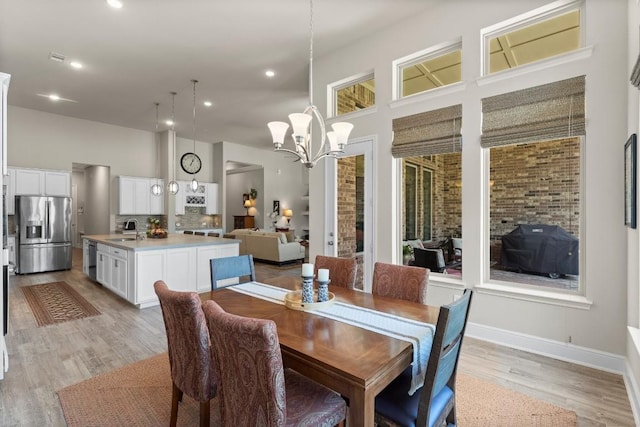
{"x":354,"y":95}
{"x":432,"y":68}
{"x":531,"y":37}
{"x":430,"y":147}
{"x":534,"y":141}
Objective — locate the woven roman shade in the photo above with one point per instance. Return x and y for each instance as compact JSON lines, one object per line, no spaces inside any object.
{"x":541,"y":113}
{"x":429,"y":133}
{"x":635,"y":74}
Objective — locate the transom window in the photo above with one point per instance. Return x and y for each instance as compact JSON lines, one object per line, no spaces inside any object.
{"x":354,"y":94}
{"x":432,"y":68}
{"x":532,"y":37}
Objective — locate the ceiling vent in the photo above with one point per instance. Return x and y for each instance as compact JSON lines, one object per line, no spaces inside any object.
{"x":58,"y":57}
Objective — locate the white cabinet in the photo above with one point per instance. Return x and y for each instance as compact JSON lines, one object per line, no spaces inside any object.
{"x":181,"y":269}
{"x":212,"y":199}
{"x":39,"y":182}
{"x":149,"y":267}
{"x":135,"y":198}
{"x":11,"y":244}
{"x":181,"y":198}
{"x":10,"y":181}
{"x":112,"y":271}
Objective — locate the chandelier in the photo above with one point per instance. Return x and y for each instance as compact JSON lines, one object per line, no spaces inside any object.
{"x":331,"y":143}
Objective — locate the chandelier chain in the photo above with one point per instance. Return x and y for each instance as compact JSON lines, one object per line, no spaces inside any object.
{"x":311,"y":53}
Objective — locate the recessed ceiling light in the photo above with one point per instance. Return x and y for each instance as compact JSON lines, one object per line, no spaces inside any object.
{"x":169,"y":122}
{"x":269,"y":73}
{"x":75,"y":64}
{"x":55,"y":97}
{"x":116,"y":4}
{"x":208,"y":103}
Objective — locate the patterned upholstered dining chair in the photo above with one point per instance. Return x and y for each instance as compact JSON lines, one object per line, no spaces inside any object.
{"x":255,"y":389}
{"x":231,"y":268}
{"x":342,"y":271}
{"x":434,"y":403}
{"x":190,"y":356}
{"x":400,"y":281}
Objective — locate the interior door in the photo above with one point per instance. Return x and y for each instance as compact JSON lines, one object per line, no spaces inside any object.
{"x":349,"y":208}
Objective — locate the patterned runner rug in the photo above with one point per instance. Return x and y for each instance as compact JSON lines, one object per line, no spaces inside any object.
{"x":140,"y":395}
{"x":57,"y":302}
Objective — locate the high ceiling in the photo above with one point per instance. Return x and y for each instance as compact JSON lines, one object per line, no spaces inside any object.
{"x":137,"y":55}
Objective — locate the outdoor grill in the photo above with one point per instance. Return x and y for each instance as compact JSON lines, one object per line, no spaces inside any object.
{"x":538,"y":248}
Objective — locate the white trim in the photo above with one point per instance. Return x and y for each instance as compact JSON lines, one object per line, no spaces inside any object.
{"x":535,"y":295}
{"x":333,"y":88}
{"x":430,"y":94}
{"x":525,"y":19}
{"x":352,"y":115}
{"x":416,"y":58}
{"x":584,"y":356}
{"x":629,"y":379}
{"x":535,"y":67}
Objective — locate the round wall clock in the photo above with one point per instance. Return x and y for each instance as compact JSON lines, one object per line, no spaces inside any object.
{"x":190,"y":163}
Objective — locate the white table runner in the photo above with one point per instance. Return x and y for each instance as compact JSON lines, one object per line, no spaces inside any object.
{"x":419,"y":334}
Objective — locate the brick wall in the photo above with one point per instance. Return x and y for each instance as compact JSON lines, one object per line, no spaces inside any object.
{"x":354,"y":98}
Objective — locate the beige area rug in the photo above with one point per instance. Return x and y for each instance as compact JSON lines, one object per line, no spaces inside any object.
{"x":140,"y":395}
{"x":57,"y":302}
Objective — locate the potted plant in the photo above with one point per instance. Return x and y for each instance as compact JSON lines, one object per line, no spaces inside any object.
{"x":253,"y":194}
{"x":407,"y":254}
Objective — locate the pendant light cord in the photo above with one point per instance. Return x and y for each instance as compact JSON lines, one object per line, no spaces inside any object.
{"x":157,"y":148}
{"x":194,"y":117}
{"x":311,"y":52}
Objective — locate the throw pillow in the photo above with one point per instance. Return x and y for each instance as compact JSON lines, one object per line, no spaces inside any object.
{"x":290,"y":236}
{"x":283,"y":238}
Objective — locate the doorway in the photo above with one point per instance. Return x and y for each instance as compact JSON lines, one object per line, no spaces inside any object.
{"x":349,"y":208}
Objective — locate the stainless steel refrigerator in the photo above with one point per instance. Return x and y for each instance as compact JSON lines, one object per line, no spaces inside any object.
{"x":43,"y":234}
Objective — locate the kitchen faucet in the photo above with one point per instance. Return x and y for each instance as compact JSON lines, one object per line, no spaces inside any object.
{"x":127,"y":225}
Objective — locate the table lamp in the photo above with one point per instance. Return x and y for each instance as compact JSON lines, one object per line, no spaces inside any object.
{"x":288,"y":213}
{"x":247,"y":205}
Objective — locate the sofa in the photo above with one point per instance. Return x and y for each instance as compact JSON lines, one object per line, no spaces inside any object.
{"x":268,"y":246}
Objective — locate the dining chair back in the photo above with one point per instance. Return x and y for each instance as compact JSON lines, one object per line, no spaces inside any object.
{"x":400,"y":281}
{"x":433,"y":259}
{"x":342,"y":271}
{"x":434,"y":403}
{"x":188,"y":232}
{"x":190,"y":356}
{"x":213,"y":234}
{"x":231,"y":268}
{"x":199,"y":233}
{"x":255,"y":389}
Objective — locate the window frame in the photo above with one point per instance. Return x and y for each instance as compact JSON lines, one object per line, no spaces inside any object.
{"x":417,"y":57}
{"x":415,"y":171}
{"x":526,"y":19}
{"x":335,"y":87}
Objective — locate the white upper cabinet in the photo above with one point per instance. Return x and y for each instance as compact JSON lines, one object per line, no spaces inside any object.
{"x":40,"y":182}
{"x":212,"y":199}
{"x":135,"y":198}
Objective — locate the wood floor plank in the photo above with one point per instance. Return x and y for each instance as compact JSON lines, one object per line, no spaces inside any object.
{"x":43,"y":360}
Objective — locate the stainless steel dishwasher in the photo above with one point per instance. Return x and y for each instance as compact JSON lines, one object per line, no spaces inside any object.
{"x":92,"y":260}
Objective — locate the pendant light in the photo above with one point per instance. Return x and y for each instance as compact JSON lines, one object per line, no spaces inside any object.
{"x":194,"y":181}
{"x":156,"y":189}
{"x":173,"y":186}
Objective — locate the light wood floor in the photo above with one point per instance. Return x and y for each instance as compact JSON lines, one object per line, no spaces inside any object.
{"x":44,"y":360}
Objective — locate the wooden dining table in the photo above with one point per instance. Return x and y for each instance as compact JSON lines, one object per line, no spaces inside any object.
{"x":355,"y":362}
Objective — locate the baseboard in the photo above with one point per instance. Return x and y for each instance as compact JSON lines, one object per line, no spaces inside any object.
{"x":597,"y":359}
{"x":629,"y":379}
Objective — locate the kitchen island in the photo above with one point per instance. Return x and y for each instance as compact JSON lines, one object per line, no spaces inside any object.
{"x":129,"y":267}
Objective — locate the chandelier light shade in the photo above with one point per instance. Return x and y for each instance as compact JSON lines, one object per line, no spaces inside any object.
{"x":194,"y":181}
{"x":331,"y":143}
{"x":173,"y":186}
{"x":156,"y":189}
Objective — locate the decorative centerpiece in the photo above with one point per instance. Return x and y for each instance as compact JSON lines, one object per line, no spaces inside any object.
{"x":307,"y":298}
{"x":155,"y":231}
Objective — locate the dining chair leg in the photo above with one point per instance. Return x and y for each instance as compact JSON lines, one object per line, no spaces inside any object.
{"x":176,"y":396}
{"x":204,"y":413}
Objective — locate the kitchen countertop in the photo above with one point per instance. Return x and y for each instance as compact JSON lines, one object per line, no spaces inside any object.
{"x":172,"y":241}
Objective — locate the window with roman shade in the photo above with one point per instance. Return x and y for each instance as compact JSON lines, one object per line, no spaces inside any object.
{"x":429,"y":133}
{"x":429,"y":145}
{"x":541,"y":113}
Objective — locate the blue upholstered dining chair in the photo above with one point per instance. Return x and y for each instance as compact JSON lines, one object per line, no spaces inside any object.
{"x":231,"y":268}
{"x":435,"y":402}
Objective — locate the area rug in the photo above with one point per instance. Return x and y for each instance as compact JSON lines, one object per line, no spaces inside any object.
{"x":140,"y":395}
{"x":57,"y":302}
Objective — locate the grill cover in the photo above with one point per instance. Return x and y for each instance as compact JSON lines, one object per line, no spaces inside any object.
{"x":539,"y":248}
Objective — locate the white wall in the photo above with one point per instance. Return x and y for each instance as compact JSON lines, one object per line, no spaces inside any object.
{"x":602,"y":327}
